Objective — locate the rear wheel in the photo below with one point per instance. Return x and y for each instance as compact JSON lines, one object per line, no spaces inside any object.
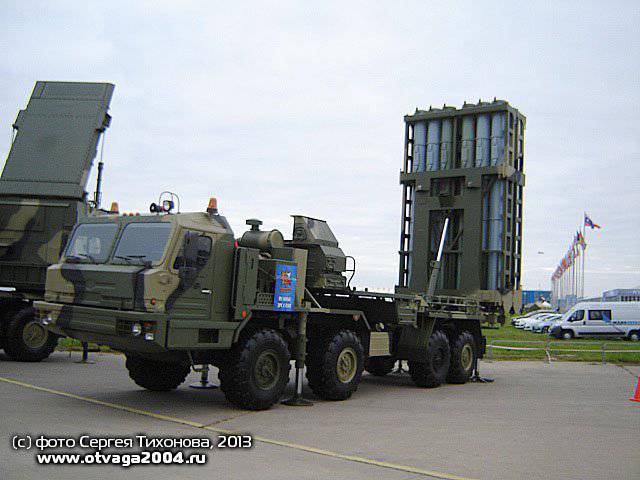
{"x":380,"y":366}
{"x":27,"y":340}
{"x":256,"y":371}
{"x":335,"y":364}
{"x":463,"y":354}
{"x":433,"y":371}
{"x":154,"y":375}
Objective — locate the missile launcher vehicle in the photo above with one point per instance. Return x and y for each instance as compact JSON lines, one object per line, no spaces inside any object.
{"x":42,"y":196}
{"x":174,"y":291}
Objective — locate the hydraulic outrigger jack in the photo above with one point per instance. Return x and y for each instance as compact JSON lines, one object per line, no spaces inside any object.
{"x":297,"y":400}
{"x":204,"y":380}
{"x":85,"y":354}
{"x":475,"y":377}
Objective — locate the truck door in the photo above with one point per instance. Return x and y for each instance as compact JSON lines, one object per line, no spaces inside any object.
{"x":190,"y":309}
{"x":576,"y":321}
{"x":598,"y":322}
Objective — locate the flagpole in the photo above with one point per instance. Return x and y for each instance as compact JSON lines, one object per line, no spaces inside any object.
{"x":579,"y":273}
{"x":572,"y":275}
{"x":584,"y":250}
{"x":564,"y":285}
{"x":575,"y":273}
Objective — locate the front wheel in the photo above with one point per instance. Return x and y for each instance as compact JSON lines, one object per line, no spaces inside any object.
{"x":433,"y":371}
{"x":634,"y":336}
{"x":567,"y":334}
{"x":154,"y":375}
{"x":256,"y":371}
{"x":27,"y":340}
{"x":335,"y":364}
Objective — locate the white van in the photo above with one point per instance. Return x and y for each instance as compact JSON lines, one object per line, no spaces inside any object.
{"x":619,"y":319}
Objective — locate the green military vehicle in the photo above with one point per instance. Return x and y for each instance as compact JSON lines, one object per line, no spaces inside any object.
{"x":174,"y":291}
{"x":42,"y":196}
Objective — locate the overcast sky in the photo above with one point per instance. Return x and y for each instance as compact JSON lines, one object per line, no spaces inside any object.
{"x":297,"y":107}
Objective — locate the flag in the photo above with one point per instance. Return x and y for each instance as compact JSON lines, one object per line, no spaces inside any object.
{"x":582,"y":241}
{"x":589,"y":223}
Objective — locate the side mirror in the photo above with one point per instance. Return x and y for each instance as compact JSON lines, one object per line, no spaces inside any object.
{"x":187,"y":275}
{"x":191,"y":248}
{"x":187,"y":271}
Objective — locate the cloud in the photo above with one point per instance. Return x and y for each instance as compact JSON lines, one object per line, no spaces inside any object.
{"x":297,"y":108}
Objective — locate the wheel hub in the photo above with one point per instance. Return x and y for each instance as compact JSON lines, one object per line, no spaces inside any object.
{"x":466,"y":357}
{"x":34,"y":335}
{"x":267,"y":370}
{"x":347,"y":365}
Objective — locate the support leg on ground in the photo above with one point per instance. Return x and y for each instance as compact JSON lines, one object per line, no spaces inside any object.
{"x":204,"y":383}
{"x":475,"y":377}
{"x":297,"y":400}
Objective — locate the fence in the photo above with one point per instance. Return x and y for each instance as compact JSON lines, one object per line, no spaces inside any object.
{"x":548,"y":347}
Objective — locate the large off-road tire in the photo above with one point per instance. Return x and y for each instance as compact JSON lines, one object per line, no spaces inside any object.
{"x":155,"y":375}
{"x":380,"y":366}
{"x":433,"y":371}
{"x":27,"y":340}
{"x":463,"y":355}
{"x":256,"y":371}
{"x":335,"y":364}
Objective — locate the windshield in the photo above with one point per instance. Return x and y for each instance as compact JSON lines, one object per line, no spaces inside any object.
{"x":142,"y":242}
{"x":91,"y":242}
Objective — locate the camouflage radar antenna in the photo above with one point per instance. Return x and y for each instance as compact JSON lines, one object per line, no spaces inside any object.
{"x":56,"y":140}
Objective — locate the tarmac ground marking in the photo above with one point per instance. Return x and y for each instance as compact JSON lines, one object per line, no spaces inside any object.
{"x":268,"y":441}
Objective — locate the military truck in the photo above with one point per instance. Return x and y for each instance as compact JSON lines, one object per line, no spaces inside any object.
{"x":174,"y":291}
{"x":42,"y":196}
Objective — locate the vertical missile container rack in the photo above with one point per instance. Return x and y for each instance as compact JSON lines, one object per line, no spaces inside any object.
{"x":467,"y":164}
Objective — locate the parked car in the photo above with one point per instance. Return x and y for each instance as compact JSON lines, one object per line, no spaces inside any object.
{"x":528,"y":315}
{"x":522,"y":322}
{"x":529,"y":324}
{"x":543,"y":325}
{"x":618,"y":319}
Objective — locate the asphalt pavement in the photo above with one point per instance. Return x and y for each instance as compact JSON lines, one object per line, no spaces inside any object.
{"x":536,"y":421}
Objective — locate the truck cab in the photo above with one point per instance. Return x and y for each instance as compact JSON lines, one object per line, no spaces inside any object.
{"x":147,"y":283}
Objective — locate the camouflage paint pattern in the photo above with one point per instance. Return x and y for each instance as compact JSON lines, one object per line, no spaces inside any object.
{"x":75,"y":291}
{"x":42,"y":187}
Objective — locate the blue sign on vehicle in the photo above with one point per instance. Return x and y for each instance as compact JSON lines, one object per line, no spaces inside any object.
{"x":285,"y":294}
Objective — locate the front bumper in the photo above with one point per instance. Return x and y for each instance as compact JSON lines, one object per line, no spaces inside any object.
{"x":104,"y":326}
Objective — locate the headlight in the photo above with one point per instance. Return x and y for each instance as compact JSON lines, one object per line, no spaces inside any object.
{"x":136,"y":329}
{"x":47,"y":319}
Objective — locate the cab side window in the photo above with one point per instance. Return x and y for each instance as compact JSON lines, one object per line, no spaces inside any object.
{"x":577,"y":316}
{"x":600,"y":315}
{"x":204,"y":251}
